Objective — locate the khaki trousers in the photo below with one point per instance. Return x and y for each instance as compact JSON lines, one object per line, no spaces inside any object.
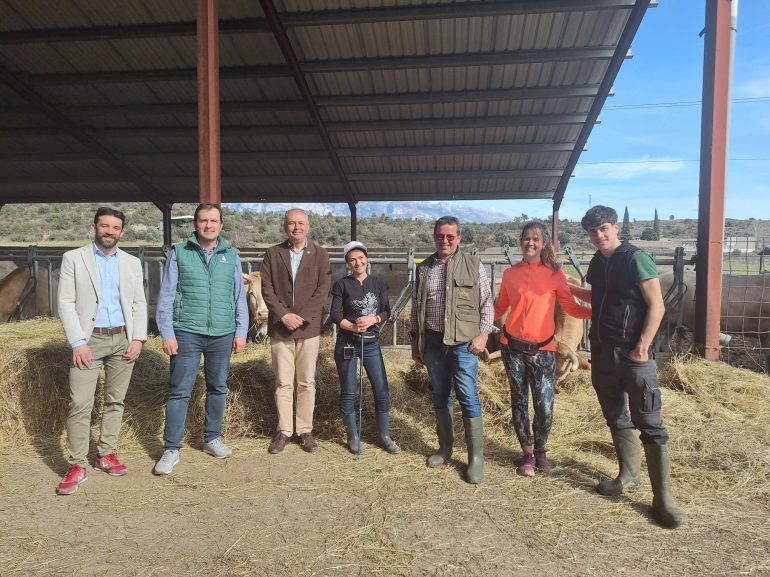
{"x":295,"y":360}
{"x":107,"y":352}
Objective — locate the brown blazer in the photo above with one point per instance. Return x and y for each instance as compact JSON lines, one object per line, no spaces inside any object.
{"x":311,"y":289}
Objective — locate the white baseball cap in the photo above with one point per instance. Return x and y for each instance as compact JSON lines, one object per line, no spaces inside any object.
{"x":353,"y":245}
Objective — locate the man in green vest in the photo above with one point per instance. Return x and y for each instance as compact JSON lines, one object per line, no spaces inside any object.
{"x":452,"y":315}
{"x":201,"y":311}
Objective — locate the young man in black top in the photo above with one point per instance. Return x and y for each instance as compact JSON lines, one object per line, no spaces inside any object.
{"x":627,"y":309}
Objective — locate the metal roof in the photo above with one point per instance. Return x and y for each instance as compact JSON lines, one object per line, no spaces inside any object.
{"x":420,"y":99}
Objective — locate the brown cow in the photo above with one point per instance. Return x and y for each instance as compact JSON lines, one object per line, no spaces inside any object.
{"x":252,"y":284}
{"x":18,"y":285}
{"x":745,"y":301}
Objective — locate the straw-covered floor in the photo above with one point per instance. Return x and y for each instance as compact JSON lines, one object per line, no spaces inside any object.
{"x":330,"y":514}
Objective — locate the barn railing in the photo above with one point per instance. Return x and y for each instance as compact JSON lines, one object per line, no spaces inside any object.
{"x":399,"y":265}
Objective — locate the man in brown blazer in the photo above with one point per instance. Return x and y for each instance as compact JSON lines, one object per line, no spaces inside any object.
{"x":296,"y":277}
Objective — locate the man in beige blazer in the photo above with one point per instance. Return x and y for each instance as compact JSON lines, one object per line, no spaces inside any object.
{"x":104,"y":312}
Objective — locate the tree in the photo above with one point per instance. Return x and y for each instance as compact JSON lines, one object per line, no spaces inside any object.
{"x":670,"y":217}
{"x":656,"y":225}
{"x":625,"y":231}
{"x":648,"y":234}
{"x":468,"y":234}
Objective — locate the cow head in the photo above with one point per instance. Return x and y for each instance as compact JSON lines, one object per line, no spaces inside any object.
{"x":252,"y":284}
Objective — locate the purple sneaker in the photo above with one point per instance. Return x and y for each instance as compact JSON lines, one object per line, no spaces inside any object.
{"x":527,"y":465}
{"x":541,"y":462}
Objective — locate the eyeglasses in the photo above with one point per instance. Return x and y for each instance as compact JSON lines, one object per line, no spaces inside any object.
{"x":447,"y":237}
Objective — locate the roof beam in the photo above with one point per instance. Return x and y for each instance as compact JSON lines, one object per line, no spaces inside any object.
{"x":456,"y":60}
{"x":279,"y":32}
{"x":294,"y":178}
{"x":314,"y":18}
{"x":310,"y":129}
{"x":454,"y":175}
{"x":386,"y":99}
{"x":155,"y":75}
{"x":327,"y":66}
{"x":87,"y":140}
{"x":621,"y":52}
{"x":257,"y":155}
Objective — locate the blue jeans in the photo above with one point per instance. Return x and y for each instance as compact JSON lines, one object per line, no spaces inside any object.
{"x":452,"y":365}
{"x":216,"y":353}
{"x":347,"y":369}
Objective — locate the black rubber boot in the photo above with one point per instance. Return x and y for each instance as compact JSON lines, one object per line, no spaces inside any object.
{"x":629,"y":452}
{"x":664,"y":508}
{"x":446,"y":438}
{"x":474,"y":439}
{"x":383,"y":428}
{"x":352,"y":431}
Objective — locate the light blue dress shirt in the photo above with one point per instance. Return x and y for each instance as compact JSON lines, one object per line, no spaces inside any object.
{"x":110,"y":313}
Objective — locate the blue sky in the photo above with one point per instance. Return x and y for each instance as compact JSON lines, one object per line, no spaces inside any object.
{"x":647,"y":158}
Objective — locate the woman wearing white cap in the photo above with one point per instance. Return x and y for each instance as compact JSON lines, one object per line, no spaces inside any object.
{"x":359,"y":306}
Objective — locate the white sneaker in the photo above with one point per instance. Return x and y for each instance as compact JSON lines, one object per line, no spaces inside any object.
{"x":216,"y":448}
{"x":166,"y":463}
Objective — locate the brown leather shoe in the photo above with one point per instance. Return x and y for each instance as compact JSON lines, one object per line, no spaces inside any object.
{"x":278,"y":443}
{"x":307,"y":442}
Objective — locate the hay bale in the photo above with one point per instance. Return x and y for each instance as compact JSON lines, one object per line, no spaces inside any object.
{"x":718,"y":416}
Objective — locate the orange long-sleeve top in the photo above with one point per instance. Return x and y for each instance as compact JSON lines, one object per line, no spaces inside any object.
{"x":531,"y":291}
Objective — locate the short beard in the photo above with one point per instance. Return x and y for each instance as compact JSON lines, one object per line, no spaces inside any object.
{"x":100,"y":243}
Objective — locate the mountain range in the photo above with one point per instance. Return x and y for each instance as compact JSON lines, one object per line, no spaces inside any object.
{"x":401,"y":210}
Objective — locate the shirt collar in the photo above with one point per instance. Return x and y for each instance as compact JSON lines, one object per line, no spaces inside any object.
{"x":98,"y":252}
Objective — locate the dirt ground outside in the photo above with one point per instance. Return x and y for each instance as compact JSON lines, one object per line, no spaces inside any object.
{"x":328,"y":513}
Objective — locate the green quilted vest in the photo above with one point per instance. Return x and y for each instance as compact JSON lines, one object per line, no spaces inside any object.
{"x":204,"y":302}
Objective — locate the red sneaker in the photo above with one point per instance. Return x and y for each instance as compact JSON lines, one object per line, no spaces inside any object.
{"x":111,"y":465}
{"x":72,"y":480}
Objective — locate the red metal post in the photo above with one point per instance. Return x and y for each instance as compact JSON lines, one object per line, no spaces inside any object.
{"x":717,"y":77}
{"x":207,"y":52}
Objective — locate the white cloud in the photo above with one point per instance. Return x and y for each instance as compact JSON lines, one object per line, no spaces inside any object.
{"x":755,"y":88}
{"x":628,"y":169}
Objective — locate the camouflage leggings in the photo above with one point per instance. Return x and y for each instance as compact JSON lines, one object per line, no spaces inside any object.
{"x":538,"y":372}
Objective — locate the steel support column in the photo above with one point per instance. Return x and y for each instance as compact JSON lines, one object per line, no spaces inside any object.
{"x":555,"y":229}
{"x":166,"y":226}
{"x":721,"y":16}
{"x":207,"y":54}
{"x":353,"y":220}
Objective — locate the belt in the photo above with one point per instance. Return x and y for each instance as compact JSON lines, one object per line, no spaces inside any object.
{"x":106,"y":331}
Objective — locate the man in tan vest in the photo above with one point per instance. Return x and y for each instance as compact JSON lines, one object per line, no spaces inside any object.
{"x":452,"y":315}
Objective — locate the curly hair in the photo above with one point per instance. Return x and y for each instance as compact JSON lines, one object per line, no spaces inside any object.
{"x":597,"y":216}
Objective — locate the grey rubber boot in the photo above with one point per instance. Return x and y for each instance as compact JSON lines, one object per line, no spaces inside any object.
{"x":383,"y":428}
{"x":474,"y":439}
{"x":446,"y":438}
{"x":629,"y":452}
{"x":352,"y":431}
{"x":664,"y":508}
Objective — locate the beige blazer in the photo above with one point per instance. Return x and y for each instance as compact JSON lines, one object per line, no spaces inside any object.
{"x":79,"y":294}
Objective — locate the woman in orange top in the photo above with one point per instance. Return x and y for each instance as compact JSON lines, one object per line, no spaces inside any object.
{"x":530,"y":290}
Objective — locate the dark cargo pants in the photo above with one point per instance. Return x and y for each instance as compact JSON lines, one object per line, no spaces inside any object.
{"x":628,"y":392}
